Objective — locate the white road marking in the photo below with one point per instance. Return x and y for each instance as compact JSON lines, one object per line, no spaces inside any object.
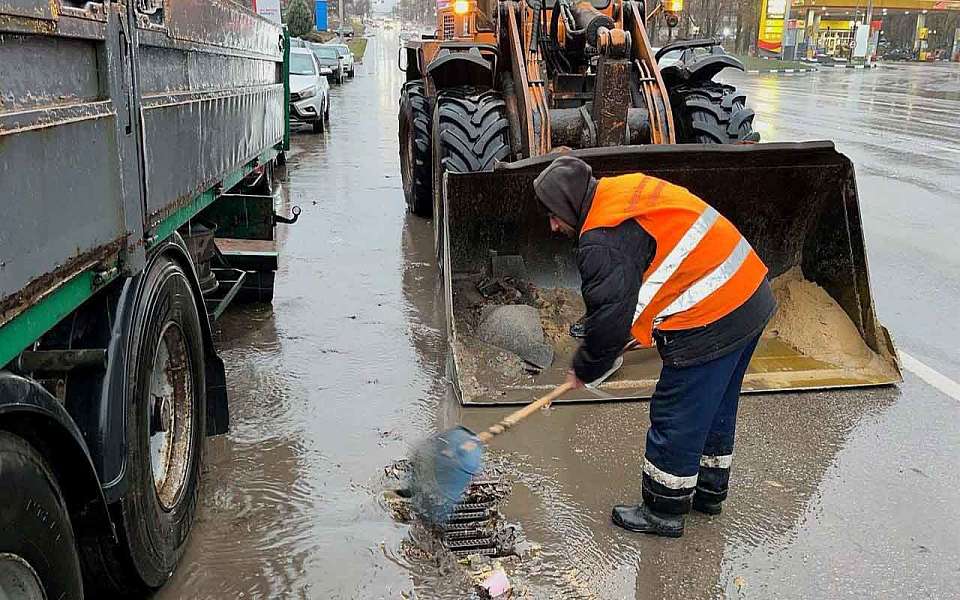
{"x":931,"y":376}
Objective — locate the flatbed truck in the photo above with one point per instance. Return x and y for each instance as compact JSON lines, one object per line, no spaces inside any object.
{"x":138,"y":140}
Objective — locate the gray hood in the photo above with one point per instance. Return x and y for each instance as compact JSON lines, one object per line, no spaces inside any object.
{"x":565,"y":188}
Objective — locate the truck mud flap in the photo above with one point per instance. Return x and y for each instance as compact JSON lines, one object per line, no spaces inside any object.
{"x":795,"y":202}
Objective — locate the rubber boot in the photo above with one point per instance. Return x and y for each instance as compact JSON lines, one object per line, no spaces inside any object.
{"x":711,"y":490}
{"x":641,"y":519}
{"x":709,"y":503}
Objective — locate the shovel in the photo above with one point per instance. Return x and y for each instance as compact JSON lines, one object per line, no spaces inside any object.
{"x":444,"y":465}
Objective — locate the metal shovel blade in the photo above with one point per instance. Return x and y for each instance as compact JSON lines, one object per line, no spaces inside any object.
{"x":517,"y":328}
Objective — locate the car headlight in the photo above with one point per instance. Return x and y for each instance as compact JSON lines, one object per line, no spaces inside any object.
{"x":309,"y":92}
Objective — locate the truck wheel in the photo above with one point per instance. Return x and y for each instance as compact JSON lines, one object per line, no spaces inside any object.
{"x":38,"y":555}
{"x":712,"y":113}
{"x":165,"y":431}
{"x":318,"y":125}
{"x":415,"y":155}
{"x":471,"y":133}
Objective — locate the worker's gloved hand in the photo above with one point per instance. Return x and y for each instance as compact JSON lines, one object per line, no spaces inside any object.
{"x":573,"y":381}
{"x":579,"y":329}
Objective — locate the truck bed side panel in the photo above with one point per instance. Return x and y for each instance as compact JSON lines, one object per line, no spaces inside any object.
{"x":61,"y":199}
{"x":212,"y":97}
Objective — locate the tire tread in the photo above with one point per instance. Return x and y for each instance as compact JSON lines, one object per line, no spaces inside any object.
{"x":712,"y":113}
{"x":418,"y":191}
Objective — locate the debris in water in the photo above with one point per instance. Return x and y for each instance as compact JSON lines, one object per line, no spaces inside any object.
{"x":496,"y":584}
{"x":475,"y":536}
{"x":398,"y":506}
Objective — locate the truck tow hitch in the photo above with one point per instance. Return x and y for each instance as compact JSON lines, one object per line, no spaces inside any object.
{"x":295,"y":211}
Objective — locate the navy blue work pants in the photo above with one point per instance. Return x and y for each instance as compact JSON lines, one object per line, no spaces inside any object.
{"x":693,"y":417}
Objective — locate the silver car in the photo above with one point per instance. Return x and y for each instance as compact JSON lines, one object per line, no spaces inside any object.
{"x":309,"y":90}
{"x":346,"y":57}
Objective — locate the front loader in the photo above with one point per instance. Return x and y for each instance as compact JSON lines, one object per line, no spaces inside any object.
{"x":504,"y":84}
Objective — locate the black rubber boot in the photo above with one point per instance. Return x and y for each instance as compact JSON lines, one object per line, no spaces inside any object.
{"x":711,"y":490}
{"x":640,"y":518}
{"x":707,"y":502}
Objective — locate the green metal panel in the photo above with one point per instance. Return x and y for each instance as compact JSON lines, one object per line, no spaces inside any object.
{"x":205,"y":199}
{"x":286,"y":89}
{"x":243,"y":217}
{"x":28,"y":326}
{"x":31,"y":324}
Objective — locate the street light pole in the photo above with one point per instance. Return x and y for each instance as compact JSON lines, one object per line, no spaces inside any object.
{"x":342,"y":20}
{"x":784,"y":37}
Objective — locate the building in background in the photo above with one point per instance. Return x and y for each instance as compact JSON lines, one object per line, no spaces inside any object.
{"x":898,"y":29}
{"x":268,"y":8}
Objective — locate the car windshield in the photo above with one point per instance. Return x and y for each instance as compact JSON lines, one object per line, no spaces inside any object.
{"x":325,"y":52}
{"x":342,"y":50}
{"x":302,"y":64}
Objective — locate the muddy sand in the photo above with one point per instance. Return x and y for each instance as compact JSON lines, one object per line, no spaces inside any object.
{"x":807,"y":319}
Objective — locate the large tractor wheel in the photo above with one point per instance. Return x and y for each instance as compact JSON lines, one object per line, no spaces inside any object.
{"x":415,"y":155}
{"x":471,"y":133}
{"x":712,"y":113}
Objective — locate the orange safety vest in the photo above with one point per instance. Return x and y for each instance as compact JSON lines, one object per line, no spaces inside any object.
{"x":703,"y":268}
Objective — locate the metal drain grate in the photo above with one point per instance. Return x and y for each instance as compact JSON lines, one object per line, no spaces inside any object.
{"x":473,"y":527}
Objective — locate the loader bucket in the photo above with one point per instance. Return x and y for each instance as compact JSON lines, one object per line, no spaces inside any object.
{"x":795,"y":202}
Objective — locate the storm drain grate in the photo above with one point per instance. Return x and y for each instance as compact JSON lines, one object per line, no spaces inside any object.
{"x":475,"y":527}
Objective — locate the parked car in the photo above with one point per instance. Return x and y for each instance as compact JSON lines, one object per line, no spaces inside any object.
{"x":346,"y":57}
{"x":309,"y":90}
{"x":330,"y":62}
{"x":297,"y":43}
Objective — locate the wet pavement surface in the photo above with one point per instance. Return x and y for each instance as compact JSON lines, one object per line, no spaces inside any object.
{"x":833,"y":494}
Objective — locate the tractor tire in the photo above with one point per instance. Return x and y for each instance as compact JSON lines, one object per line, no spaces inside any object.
{"x":415,"y":155}
{"x":712,"y":113}
{"x":471,"y":133}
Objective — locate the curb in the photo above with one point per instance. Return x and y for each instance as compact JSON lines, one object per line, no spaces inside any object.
{"x":873,"y":66}
{"x":811,"y":69}
{"x":764,"y":71}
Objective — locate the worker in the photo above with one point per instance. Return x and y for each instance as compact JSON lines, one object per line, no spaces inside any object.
{"x":658,"y":264}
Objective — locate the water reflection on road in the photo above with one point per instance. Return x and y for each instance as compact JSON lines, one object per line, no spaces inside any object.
{"x":346,"y":370}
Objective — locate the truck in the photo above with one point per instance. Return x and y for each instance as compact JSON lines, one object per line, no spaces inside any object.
{"x":138,"y":141}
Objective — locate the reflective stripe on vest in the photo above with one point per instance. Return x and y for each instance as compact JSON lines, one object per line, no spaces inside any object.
{"x":690,"y":240}
{"x":709,"y":284}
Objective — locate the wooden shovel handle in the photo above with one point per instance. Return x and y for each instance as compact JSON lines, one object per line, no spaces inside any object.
{"x":514,"y":418}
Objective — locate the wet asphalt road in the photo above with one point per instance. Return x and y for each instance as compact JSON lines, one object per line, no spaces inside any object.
{"x":835,"y":494}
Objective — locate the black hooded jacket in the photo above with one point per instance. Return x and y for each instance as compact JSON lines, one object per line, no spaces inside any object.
{"x":612,"y":261}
